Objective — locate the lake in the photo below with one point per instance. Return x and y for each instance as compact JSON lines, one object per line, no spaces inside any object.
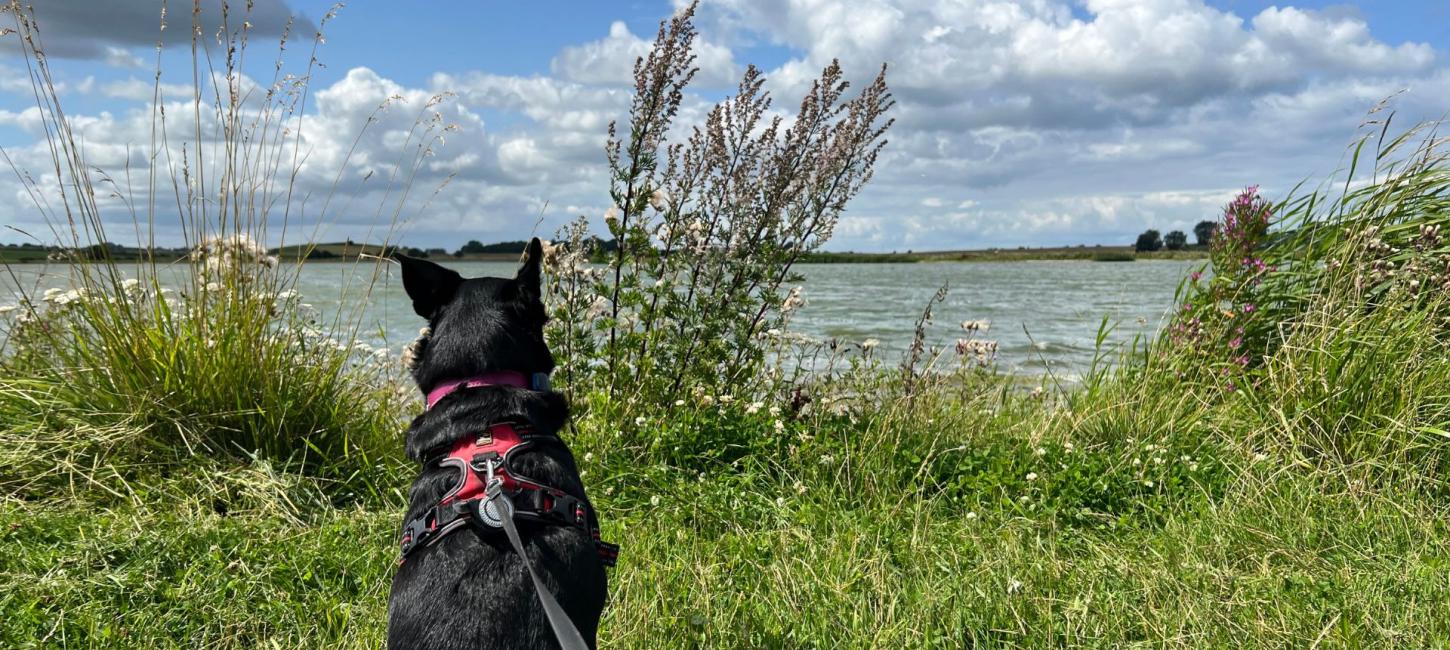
{"x":1043,"y":314}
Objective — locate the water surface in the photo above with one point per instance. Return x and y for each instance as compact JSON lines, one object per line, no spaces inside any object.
{"x":1044,"y":314}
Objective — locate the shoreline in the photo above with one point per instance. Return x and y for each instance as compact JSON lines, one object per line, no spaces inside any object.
{"x":1085,"y":254}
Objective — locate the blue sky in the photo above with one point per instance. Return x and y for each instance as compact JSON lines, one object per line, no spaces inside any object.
{"x":1039,"y":122}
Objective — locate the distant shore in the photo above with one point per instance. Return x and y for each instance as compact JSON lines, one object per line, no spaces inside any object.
{"x":349,"y":252}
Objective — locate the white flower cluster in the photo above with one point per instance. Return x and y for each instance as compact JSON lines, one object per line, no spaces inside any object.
{"x":409,"y":356}
{"x":63,"y":297}
{"x":983,"y":352}
{"x":795,"y":300}
{"x":221,"y":256}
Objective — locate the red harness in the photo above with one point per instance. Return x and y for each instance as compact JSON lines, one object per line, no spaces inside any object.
{"x":484,"y":479}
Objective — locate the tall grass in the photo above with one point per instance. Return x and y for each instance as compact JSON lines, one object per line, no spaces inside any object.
{"x":145,"y":369}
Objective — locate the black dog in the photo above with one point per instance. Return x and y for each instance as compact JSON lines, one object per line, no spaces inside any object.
{"x":470,"y":589}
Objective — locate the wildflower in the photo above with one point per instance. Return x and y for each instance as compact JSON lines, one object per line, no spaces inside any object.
{"x":779,"y":426}
{"x":589,"y":457}
{"x":971,"y":515}
{"x":870,"y":344}
{"x":1260,"y":457}
{"x":1031,"y":476}
{"x":780,"y":502}
{"x":1014,"y":586}
{"x":726,"y":399}
{"x":1249,"y":308}
{"x":795,"y":300}
{"x":659,"y":200}
{"x":679,"y":402}
{"x":213,"y":286}
{"x":775,"y":411}
{"x":598,"y":307}
{"x":1195,"y":276}
{"x":754,"y":408}
{"x":1236,"y":343}
{"x":1147,"y":484}
{"x":654,"y":500}
{"x":639,"y":421}
{"x":707,"y":400}
{"x":800,"y":488}
{"x":1040,"y":451}
{"x":130,"y":285}
{"x":976,"y":325}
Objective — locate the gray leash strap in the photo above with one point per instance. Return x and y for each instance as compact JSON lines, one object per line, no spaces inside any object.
{"x":564,"y":630}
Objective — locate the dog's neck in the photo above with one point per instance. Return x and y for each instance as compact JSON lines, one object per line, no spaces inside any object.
{"x":536,"y":381}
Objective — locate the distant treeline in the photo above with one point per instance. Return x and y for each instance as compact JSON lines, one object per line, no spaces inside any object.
{"x":510,"y":250}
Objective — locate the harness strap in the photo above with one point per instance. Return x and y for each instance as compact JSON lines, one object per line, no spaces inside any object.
{"x":530,"y":500}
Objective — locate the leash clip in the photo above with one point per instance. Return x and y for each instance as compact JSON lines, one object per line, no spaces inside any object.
{"x":495,"y":505}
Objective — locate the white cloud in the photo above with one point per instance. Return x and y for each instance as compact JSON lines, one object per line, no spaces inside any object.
{"x":1018,"y":122}
{"x":610,"y":60}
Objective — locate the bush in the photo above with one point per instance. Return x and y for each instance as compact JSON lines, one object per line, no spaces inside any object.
{"x":708,"y":230}
{"x":1149,"y":241}
{"x":1175,"y":241}
{"x":1203,"y":232}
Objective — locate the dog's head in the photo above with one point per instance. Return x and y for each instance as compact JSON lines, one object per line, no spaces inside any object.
{"x":478,"y":325}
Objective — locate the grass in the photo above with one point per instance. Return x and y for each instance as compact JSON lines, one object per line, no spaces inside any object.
{"x":825,"y":545}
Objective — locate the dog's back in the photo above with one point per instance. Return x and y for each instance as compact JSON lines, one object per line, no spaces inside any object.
{"x":470,"y":588}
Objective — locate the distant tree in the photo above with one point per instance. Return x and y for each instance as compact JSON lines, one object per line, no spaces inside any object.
{"x":1204,"y":232}
{"x":1150,"y":240}
{"x":436,"y":252}
{"x":472,"y":247}
{"x":1175,"y":241}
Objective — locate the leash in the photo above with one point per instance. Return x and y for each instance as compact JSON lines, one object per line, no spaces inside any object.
{"x":564,"y":629}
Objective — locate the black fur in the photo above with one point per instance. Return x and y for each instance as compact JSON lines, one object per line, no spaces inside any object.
{"x":471,"y":590}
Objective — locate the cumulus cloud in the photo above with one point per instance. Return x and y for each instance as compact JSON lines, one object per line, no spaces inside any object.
{"x":610,"y":60}
{"x":1019,"y":122}
{"x":105,"y":30}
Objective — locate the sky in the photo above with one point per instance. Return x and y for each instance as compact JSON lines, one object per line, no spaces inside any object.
{"x":1018,"y":123}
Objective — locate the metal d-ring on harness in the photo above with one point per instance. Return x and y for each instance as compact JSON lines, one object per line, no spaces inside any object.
{"x":487,"y":491}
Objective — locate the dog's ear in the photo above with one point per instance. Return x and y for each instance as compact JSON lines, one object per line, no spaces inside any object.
{"x":529,"y":276}
{"x":429,"y":285}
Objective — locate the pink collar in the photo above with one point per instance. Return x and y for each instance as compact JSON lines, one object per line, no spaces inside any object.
{"x":539,"y":381}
